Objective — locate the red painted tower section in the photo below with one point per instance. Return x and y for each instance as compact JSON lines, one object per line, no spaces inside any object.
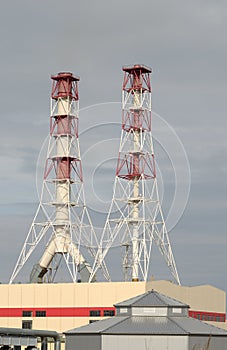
{"x":64,"y":89}
{"x":64,"y":86}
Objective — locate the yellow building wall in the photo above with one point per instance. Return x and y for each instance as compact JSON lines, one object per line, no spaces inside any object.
{"x":202,"y":298}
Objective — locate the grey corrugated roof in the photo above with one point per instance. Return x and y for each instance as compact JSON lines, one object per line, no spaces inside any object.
{"x":150,"y":326}
{"x":194,"y":326}
{"x":97,"y":327}
{"x":145,"y":325}
{"x":150,"y":299}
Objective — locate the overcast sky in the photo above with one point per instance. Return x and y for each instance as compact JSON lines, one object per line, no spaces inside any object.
{"x":185,"y":44}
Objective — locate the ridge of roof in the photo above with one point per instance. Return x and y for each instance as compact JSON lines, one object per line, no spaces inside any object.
{"x":97,"y":327}
{"x":133,"y":299}
{"x":159,"y":300}
{"x":120,"y":321}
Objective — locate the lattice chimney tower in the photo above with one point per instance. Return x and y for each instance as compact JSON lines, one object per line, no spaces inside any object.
{"x":135,"y":218}
{"x":62,"y":219}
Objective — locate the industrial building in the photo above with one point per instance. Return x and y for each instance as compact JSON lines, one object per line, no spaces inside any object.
{"x":148,"y":321}
{"x":63,"y":306}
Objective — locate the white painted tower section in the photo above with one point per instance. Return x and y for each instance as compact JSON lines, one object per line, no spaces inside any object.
{"x":61,"y":242}
{"x":135,"y":199}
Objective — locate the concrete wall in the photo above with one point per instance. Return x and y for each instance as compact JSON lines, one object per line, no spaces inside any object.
{"x":200,"y":343}
{"x":83,"y":342}
{"x":143,"y":342}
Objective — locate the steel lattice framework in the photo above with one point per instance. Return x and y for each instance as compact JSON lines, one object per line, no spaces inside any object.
{"x":135,"y":219}
{"x":62,"y":219}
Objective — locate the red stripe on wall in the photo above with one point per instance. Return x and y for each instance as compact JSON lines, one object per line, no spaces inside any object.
{"x":85,"y":312}
{"x":207,"y":316}
{"x":55,"y":311}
